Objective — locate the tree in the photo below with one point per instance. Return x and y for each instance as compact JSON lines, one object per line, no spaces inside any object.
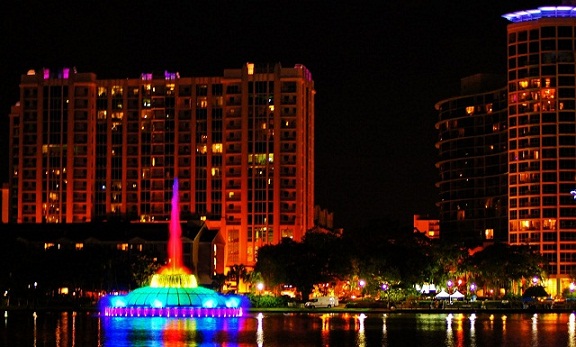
{"x":237,"y":273}
{"x":498,"y":265}
{"x":218,"y":281}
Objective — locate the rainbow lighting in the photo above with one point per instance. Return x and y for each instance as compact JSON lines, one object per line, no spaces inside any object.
{"x":173,"y":291}
{"x":541,"y":12}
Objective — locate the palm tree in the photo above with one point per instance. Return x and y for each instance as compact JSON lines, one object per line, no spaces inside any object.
{"x":218,"y":281}
{"x":237,"y":273}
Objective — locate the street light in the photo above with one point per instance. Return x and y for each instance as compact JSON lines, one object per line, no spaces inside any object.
{"x":472,"y":290}
{"x":260,"y":287}
{"x":361,"y":283}
{"x":385,"y":288}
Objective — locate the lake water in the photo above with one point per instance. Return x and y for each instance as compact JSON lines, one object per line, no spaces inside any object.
{"x":292,"y":329}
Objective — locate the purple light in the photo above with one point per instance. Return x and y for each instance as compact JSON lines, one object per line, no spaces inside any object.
{"x":171,"y":75}
{"x":573,"y":193}
{"x":46,"y":73}
{"x":65,"y":73}
{"x":541,"y":12}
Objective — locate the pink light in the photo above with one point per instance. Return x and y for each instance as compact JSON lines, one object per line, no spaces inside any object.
{"x":46,"y":74}
{"x":65,"y":73}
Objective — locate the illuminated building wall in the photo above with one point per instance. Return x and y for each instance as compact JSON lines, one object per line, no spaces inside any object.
{"x":540,"y":144}
{"x":241,"y":144}
{"x":427,"y":227}
{"x":542,"y":134}
{"x":4,"y":203}
{"x":472,"y":162}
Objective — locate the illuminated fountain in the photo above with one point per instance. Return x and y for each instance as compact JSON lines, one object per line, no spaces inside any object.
{"x":173,"y":291}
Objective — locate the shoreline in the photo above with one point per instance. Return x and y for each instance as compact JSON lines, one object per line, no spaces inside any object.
{"x":336,"y":310}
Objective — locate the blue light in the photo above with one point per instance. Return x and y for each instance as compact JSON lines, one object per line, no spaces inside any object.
{"x":210,"y":303}
{"x":541,"y":12}
{"x":117,"y":301}
{"x":233,"y":302}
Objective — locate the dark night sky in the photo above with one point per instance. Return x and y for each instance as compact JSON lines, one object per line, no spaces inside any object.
{"x":379,"y":68}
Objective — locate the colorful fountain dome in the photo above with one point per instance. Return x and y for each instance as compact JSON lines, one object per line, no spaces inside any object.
{"x":173,"y":291}
{"x":174,"y":295}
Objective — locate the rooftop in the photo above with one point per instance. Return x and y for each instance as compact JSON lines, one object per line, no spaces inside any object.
{"x":541,"y":12}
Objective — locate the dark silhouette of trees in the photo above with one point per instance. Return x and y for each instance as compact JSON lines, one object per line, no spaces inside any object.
{"x":500,"y":264}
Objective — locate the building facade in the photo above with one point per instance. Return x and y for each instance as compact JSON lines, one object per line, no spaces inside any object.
{"x":241,"y":144}
{"x":538,"y":137}
{"x":542,"y":135}
{"x":472,"y":162}
{"x":427,"y":226}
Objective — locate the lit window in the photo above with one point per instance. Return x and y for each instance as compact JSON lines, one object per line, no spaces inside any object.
{"x":48,"y":245}
{"x":217,"y":148}
{"x":523,"y":84}
{"x":202,"y":103}
{"x":79,"y":246}
{"x":117,"y":90}
{"x":489,"y":234}
{"x":548,"y":93}
{"x":470,"y":109}
{"x":122,"y":246}
{"x":461,"y":215}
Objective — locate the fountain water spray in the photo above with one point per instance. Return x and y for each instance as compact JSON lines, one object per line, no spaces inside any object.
{"x":173,"y":291}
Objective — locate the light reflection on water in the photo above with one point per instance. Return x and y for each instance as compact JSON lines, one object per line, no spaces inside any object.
{"x":292,"y":329}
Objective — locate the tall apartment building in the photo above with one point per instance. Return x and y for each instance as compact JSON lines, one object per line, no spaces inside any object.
{"x":540,"y":141}
{"x":472,"y":161}
{"x":542,"y":135}
{"x":241,"y":145}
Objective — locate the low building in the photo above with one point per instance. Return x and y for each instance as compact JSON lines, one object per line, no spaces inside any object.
{"x":426,"y":226}
{"x":202,"y":247}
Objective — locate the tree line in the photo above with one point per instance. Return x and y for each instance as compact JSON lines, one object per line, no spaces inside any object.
{"x":372,"y":262}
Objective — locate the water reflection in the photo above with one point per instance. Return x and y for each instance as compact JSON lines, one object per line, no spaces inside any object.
{"x":535,"y":329}
{"x":260,"y":331}
{"x":361,"y":339}
{"x":473,"y":330}
{"x":291,"y":329}
{"x":571,"y":330}
{"x":384,"y":331}
{"x":449,"y":334}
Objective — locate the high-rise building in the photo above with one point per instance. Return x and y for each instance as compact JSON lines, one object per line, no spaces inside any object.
{"x":542,"y":135}
{"x":539,"y":143}
{"x":241,"y":144}
{"x":472,"y":161}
